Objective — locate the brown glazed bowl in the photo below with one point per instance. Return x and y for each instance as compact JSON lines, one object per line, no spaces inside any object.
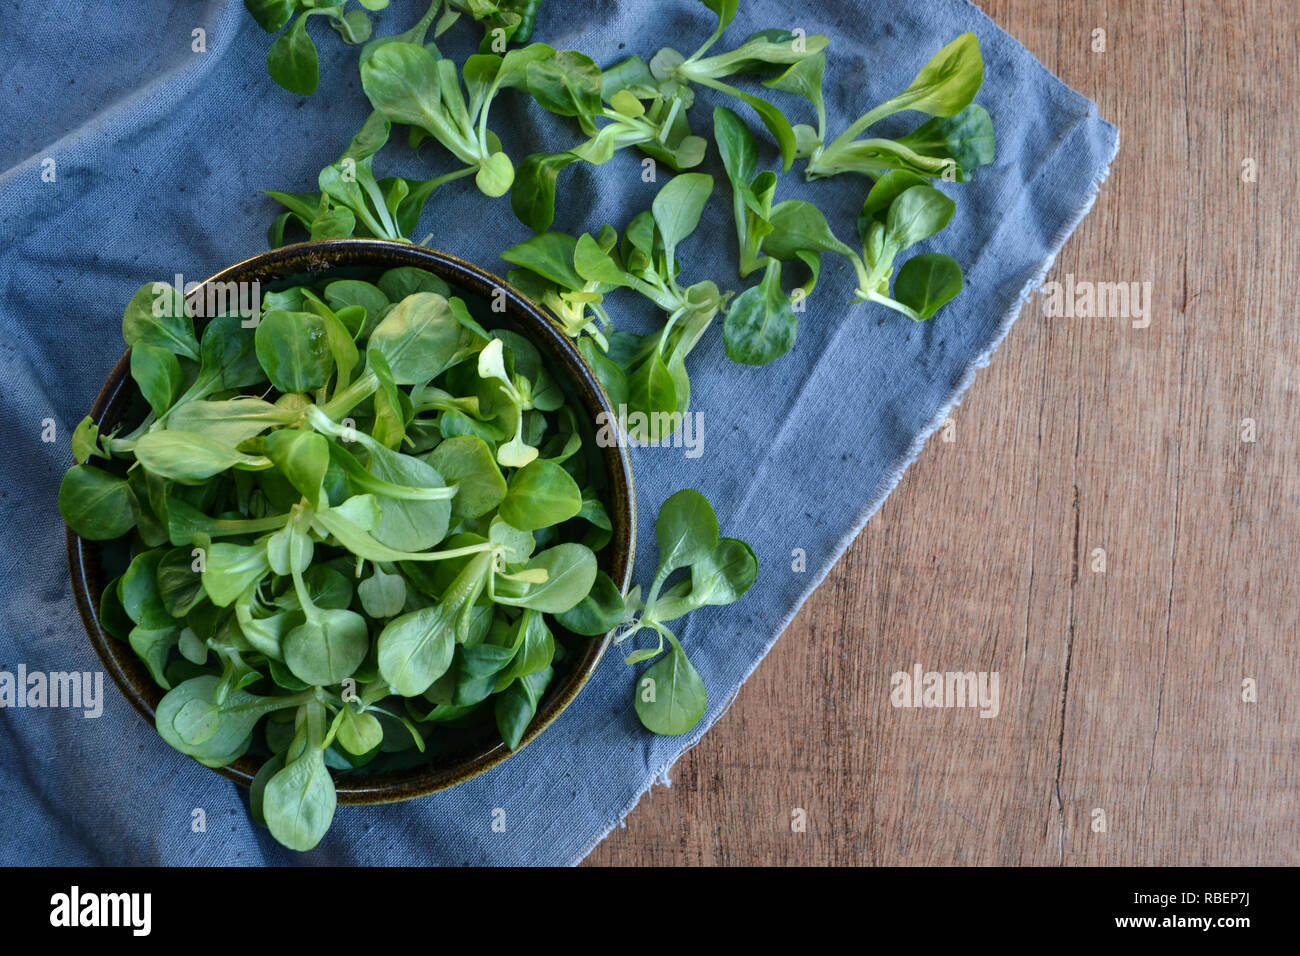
{"x":466,"y":753}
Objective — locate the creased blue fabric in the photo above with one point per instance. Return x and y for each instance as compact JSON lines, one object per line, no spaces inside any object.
{"x":158,"y":154}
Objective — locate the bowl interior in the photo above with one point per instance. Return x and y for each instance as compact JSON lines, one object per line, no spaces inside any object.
{"x":453,"y":755}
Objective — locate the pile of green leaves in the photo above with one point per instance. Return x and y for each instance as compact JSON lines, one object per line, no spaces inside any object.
{"x":414,"y":85}
{"x":761,"y":54}
{"x":670,"y":696}
{"x":294,"y":62}
{"x":901,"y":209}
{"x":346,"y":528}
{"x":351,"y":201}
{"x":646,"y":106}
{"x":647,"y":374}
{"x":710,"y":572}
{"x":617,"y":109}
{"x":958,"y":138}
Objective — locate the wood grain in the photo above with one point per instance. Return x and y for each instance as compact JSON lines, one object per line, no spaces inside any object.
{"x":1121,"y":689}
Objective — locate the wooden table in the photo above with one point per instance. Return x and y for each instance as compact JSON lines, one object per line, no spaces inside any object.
{"x":1123,"y":736}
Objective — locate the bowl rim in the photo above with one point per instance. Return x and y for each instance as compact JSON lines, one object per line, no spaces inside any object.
{"x":323,"y":256}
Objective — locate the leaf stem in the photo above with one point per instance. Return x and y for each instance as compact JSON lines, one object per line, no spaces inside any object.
{"x":367,"y":384}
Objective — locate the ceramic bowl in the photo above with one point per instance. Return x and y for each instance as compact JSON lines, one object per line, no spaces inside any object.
{"x":458,"y":755}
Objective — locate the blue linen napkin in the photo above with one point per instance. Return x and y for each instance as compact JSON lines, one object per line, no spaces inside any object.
{"x":157,"y":152}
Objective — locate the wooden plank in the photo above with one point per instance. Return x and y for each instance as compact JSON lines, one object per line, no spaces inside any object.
{"x":1121,"y":688}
